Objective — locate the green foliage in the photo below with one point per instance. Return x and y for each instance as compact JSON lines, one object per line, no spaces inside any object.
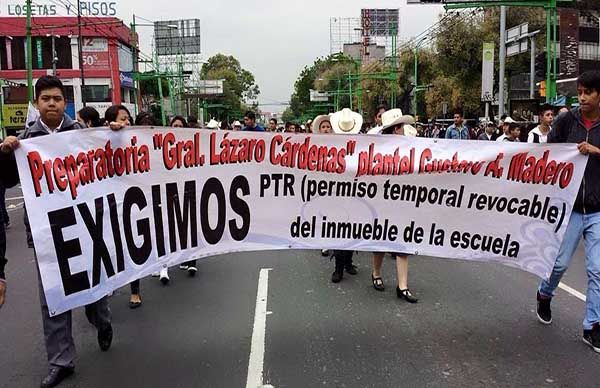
{"x":239,"y":84}
{"x":149,"y":85}
{"x":329,"y":69}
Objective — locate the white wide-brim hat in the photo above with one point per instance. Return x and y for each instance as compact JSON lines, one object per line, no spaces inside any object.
{"x":375,"y":130}
{"x":393,"y":117}
{"x":346,"y":122}
{"x":212,"y":124}
{"x":316,"y":123}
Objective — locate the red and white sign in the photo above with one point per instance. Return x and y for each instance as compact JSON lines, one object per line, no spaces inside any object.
{"x":94,"y":53}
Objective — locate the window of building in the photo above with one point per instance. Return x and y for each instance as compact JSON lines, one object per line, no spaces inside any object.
{"x":12,"y":53}
{"x":132,"y":96}
{"x":124,"y":95}
{"x":589,"y":51}
{"x":69,"y":95}
{"x":97,"y":93}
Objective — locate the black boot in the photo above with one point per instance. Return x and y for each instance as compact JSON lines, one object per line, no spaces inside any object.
{"x":350,"y":268}
{"x":338,"y":273}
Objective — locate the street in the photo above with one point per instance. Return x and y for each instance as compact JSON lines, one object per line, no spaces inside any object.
{"x":474,"y":325}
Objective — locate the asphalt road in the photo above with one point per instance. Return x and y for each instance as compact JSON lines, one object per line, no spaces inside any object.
{"x":474,"y":326}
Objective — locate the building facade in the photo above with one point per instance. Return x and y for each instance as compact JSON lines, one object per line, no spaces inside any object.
{"x":106,"y":55}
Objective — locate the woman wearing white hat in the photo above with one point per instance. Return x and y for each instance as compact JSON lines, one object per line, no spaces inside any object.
{"x":395,"y":123}
{"x":348,"y":123}
{"x":322,"y":124}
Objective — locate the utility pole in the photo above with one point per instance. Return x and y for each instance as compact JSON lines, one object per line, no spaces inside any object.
{"x":79,"y":49}
{"x":54,"y":57}
{"x":134,"y":59}
{"x":502,"y":60}
{"x":414,"y":102}
{"x":29,"y":53}
{"x":532,"y":68}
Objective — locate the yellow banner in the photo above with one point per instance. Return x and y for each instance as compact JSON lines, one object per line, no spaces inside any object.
{"x":14,"y":115}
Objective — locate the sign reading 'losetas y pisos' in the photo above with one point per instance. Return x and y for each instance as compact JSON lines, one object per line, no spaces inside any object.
{"x":53,"y":8}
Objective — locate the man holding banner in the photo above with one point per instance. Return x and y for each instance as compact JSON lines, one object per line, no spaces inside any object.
{"x":50,"y":100}
{"x":581,"y":126}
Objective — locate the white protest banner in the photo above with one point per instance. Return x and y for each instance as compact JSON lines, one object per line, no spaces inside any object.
{"x":110,"y":207}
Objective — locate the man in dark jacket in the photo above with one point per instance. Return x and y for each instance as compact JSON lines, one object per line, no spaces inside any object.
{"x":580,"y":126}
{"x":50,"y":99}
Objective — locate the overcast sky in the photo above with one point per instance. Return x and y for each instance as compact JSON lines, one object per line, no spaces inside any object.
{"x":274,"y":39}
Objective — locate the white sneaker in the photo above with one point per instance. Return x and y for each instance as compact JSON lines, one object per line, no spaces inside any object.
{"x":155,"y":274}
{"x":324,"y":252}
{"x":164,"y":276}
{"x":183,"y":267}
{"x":192,"y":270}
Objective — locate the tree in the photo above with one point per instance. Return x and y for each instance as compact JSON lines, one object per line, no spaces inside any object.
{"x":239,"y":84}
{"x":328,"y":68}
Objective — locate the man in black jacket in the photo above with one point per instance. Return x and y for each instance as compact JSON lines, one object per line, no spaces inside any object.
{"x":50,"y":99}
{"x":580,"y":126}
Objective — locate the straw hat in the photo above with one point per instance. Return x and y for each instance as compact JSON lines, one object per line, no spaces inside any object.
{"x":346,"y":122}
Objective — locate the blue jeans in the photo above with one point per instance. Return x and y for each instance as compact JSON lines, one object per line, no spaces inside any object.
{"x":587,"y":225}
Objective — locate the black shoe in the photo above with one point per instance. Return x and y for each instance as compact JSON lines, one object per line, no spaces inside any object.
{"x":592,"y":337}
{"x":377,"y":283}
{"x":56,"y":375}
{"x":544,"y":314}
{"x":351,"y":269}
{"x":337,"y":276}
{"x":406,"y":295}
{"x":105,"y":338}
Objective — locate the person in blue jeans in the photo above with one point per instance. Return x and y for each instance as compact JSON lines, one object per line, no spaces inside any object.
{"x":581,"y":126}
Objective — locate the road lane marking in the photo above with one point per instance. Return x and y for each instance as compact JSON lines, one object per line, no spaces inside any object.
{"x":572,"y":291}
{"x":14,"y":207}
{"x":257,"y":347}
{"x":14,"y":199}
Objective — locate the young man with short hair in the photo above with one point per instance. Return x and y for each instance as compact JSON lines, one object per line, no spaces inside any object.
{"x":273,"y":125}
{"x":458,"y":130}
{"x":581,"y":126}
{"x":378,"y":112}
{"x":514,"y":132}
{"x":539,"y":134}
{"x":488,"y":134}
{"x":250,"y":122}
{"x":50,"y":101}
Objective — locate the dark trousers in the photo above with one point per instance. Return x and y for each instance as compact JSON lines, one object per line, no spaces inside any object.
{"x":58,"y":336}
{"x":191,"y":263}
{"x":2,"y":246}
{"x":3,"y":212}
{"x":343,"y":259}
{"x":135,"y":287}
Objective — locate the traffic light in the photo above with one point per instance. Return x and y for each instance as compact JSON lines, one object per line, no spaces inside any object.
{"x":540,"y":65}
